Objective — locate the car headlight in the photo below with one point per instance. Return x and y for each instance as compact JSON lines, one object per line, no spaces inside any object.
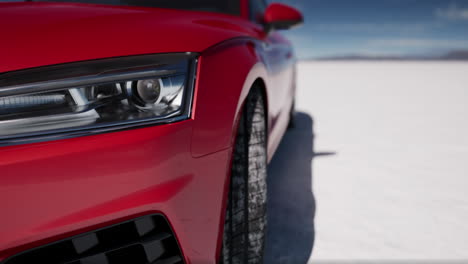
{"x":95,"y":96}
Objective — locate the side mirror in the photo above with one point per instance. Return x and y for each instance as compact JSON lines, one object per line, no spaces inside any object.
{"x":280,"y":16}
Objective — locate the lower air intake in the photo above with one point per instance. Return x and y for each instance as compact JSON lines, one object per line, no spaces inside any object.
{"x":145,"y":240}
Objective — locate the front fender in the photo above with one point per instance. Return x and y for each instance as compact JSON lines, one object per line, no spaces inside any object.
{"x":226,"y":73}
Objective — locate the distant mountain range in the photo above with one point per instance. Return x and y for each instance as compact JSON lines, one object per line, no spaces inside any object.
{"x":458,"y":55}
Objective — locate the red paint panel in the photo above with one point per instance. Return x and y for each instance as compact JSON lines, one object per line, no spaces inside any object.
{"x":52,"y":190}
{"x":51,"y":33}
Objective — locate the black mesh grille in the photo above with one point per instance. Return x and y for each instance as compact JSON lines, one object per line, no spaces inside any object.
{"x":145,"y":240}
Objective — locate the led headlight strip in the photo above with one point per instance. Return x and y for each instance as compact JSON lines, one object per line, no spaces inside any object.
{"x":97,"y":96}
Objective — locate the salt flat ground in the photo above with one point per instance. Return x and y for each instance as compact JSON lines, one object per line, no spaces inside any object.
{"x":377,"y":167}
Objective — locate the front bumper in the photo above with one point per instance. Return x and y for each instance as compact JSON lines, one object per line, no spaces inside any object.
{"x":53,"y":190}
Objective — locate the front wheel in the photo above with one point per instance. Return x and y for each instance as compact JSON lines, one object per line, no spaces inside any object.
{"x":245,"y":221}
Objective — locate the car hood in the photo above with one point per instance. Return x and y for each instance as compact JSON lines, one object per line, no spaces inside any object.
{"x":39,"y":34}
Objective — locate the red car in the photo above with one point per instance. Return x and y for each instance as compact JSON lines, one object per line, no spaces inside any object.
{"x":139,"y":131}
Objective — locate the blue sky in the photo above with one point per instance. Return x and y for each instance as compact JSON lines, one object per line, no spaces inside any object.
{"x":379,"y":27}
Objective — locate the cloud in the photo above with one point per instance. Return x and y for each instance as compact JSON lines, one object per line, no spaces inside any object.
{"x":452,"y":12}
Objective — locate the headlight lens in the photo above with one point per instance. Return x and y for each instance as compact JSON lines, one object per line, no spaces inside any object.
{"x":96,"y":96}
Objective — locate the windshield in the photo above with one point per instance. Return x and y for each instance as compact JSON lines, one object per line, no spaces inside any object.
{"x":220,"y":6}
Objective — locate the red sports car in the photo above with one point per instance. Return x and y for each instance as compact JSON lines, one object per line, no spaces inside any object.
{"x":139,"y":131}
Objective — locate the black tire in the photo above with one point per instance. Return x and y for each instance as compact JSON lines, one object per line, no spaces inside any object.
{"x":245,"y":222}
{"x":292,"y":113}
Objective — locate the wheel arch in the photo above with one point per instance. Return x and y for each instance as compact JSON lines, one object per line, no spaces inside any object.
{"x":257,"y":83}
{"x":227,"y":73}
